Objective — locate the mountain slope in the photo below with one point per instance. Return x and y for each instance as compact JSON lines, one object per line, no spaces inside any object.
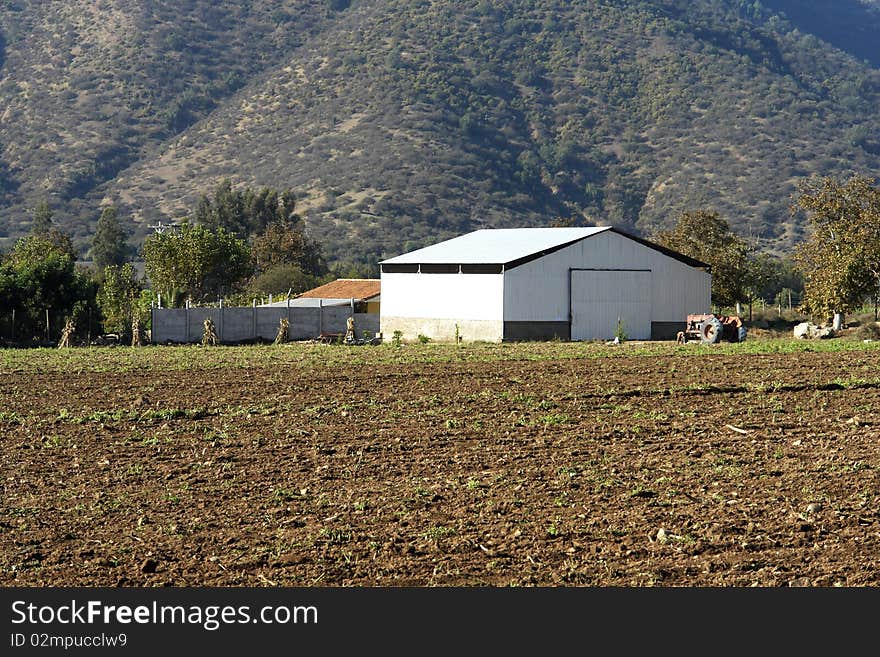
{"x":849,"y":25}
{"x":89,"y":88}
{"x":400,"y":123}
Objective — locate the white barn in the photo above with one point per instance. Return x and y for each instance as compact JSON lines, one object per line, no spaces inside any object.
{"x":540,"y":283}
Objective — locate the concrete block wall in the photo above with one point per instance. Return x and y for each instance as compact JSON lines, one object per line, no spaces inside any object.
{"x":267,"y":320}
{"x":234,"y":324}
{"x":196,"y":323}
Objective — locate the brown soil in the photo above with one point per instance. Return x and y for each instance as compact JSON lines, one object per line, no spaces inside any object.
{"x":729,"y":470}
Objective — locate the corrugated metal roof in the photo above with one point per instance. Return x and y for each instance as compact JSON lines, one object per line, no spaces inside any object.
{"x":345,"y":288}
{"x":495,"y":245}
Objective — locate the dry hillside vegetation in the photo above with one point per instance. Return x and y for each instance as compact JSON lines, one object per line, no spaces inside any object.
{"x":402,"y":123}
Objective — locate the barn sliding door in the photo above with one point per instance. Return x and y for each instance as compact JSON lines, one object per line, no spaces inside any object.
{"x":598,"y":298}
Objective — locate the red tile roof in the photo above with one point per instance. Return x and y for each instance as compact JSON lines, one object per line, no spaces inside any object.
{"x":345,"y":288}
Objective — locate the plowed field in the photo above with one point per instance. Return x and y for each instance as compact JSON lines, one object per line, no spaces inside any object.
{"x":441,"y":465}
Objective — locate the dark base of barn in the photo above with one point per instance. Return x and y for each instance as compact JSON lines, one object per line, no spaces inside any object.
{"x":526,"y":331}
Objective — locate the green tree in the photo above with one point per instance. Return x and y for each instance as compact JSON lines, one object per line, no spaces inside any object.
{"x":39,"y":274}
{"x":42,"y":218}
{"x":353,"y":269}
{"x":118,"y":298}
{"x":9,"y":290}
{"x":200,"y":263}
{"x":244,"y":212}
{"x":281,"y":279}
{"x":704,"y":235}
{"x":840,"y":260}
{"x":44,"y":227}
{"x":109,"y":248}
{"x":284,"y":242}
{"x":763,"y":272}
{"x":224,"y":209}
{"x":267,"y":206}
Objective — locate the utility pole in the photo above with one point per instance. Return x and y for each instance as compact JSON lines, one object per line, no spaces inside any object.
{"x":161,"y":228}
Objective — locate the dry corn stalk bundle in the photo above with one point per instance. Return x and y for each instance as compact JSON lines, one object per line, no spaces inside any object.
{"x":283,"y":328}
{"x":209,"y":336}
{"x":136,"y":332}
{"x":67,"y":333}
{"x":349,"y":330}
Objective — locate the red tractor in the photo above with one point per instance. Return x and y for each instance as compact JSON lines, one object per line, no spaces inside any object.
{"x":710,"y":329}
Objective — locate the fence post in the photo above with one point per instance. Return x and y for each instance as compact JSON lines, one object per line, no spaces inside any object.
{"x":320,"y":317}
{"x":186,"y":321}
{"x":220,"y":335}
{"x":48,"y":339}
{"x":288,"y":316}
{"x":254,"y":320}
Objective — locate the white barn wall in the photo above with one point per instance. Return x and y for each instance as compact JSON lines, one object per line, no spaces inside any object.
{"x":432,"y":304}
{"x":538,"y":290}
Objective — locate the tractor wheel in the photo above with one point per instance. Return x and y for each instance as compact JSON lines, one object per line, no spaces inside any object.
{"x":710,"y":330}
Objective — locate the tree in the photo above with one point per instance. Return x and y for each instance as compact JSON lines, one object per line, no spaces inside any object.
{"x":354,"y":269}
{"x":44,"y":227}
{"x":705,"y":236}
{"x":281,"y":279}
{"x":763,"y":272}
{"x":245,"y":212}
{"x":225,"y":210}
{"x":840,"y":260}
{"x":118,"y":297}
{"x":197,"y":262}
{"x":283,"y":242}
{"x":280,"y":256}
{"x":108,"y":246}
{"x":774,"y":279}
{"x":39,"y":274}
{"x":268,"y":206}
{"x":9,"y":290}
{"x":42,"y":218}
